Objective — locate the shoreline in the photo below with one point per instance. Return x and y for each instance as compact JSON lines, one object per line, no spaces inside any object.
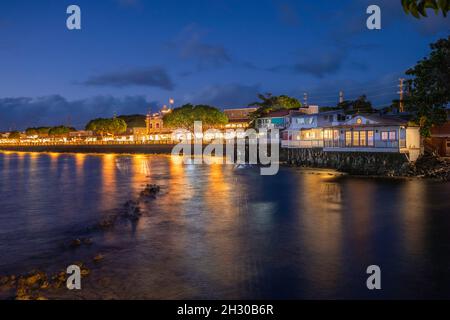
{"x":409,"y":172}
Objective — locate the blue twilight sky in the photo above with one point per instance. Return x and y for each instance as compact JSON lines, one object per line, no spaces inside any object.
{"x":132,"y":55}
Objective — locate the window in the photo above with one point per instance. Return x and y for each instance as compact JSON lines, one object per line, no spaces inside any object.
{"x":336,"y":134}
{"x":392,"y":136}
{"x":348,"y":139}
{"x":151,"y":125}
{"x":157,"y":126}
{"x":384,"y":135}
{"x":362,"y":138}
{"x":370,"y":138}
{"x":356,"y":138}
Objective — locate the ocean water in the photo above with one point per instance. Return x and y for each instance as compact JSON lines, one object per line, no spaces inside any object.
{"x":216,"y":232}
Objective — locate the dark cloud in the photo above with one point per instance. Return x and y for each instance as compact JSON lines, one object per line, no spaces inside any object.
{"x":318,"y":64}
{"x":23,"y":112}
{"x":225,"y":96}
{"x":190,"y":45}
{"x":149,"y":77}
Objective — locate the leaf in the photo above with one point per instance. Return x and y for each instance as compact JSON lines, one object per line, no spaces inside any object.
{"x":414,"y":10}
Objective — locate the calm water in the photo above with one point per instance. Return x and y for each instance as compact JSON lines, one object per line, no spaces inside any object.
{"x":218,"y":232}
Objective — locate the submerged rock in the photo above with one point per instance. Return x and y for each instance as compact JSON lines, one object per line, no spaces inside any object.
{"x":132,"y":210}
{"x":150,"y":190}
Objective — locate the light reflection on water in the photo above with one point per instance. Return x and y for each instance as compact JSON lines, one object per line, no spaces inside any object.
{"x":219,"y":232}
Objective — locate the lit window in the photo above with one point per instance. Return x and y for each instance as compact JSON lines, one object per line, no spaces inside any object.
{"x":348,"y":138}
{"x":370,"y":138}
{"x":362,"y":138}
{"x":356,"y":138}
{"x":336,"y":134}
{"x":392,"y":136}
{"x":384,"y":135}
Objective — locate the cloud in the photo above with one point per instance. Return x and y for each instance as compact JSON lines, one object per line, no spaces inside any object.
{"x":189,"y":45}
{"x":149,"y":77}
{"x":23,"y":112}
{"x":318,"y":64}
{"x":227,"y":95}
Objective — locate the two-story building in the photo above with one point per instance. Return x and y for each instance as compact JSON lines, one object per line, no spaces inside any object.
{"x":238,"y":118}
{"x":373,"y":133}
{"x":306,"y":129}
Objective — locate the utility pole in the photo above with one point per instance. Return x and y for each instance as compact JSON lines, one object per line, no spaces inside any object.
{"x":341,"y":96}
{"x":401,"y":107}
{"x":305,"y":99}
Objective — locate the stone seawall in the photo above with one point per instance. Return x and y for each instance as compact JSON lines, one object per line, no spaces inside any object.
{"x":358,"y":163}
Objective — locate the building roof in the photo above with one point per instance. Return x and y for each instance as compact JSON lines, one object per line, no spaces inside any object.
{"x":278,"y":113}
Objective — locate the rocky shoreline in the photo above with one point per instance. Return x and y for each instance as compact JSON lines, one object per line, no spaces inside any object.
{"x":37,"y":284}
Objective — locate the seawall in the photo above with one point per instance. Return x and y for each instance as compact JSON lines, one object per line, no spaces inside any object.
{"x":358,"y":163}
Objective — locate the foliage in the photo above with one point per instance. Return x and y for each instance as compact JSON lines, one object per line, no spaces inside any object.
{"x":359,"y":105}
{"x":60,"y":131}
{"x":271,"y":103}
{"x":419,"y":7}
{"x":134,"y":120}
{"x":104,"y":126}
{"x":40,"y":131}
{"x":14,"y":135}
{"x":429,"y":90}
{"x":184,"y":117}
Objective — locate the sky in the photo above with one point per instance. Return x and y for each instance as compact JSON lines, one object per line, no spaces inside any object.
{"x":132,"y":56}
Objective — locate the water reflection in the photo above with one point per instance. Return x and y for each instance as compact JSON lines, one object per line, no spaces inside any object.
{"x":217,"y":232}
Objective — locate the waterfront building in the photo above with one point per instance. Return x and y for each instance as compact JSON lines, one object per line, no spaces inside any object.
{"x":373,"y":133}
{"x":440,"y":139}
{"x":306,"y":129}
{"x":155,"y":130}
{"x":238,"y":118}
{"x":278,"y":119}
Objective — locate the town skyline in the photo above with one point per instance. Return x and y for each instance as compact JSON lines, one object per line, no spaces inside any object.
{"x":130,"y":56}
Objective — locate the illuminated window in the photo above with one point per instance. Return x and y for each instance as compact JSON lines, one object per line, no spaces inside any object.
{"x":356,"y":138}
{"x":336,"y":134}
{"x":370,"y":138}
{"x":384,"y":135}
{"x":392,"y":136}
{"x":359,"y":121}
{"x":362,"y":138}
{"x":348,"y":139}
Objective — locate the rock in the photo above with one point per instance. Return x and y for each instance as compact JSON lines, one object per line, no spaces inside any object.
{"x":98,"y":258}
{"x":87,"y":241}
{"x":132,"y":210}
{"x":75,"y":243}
{"x":150,"y":190}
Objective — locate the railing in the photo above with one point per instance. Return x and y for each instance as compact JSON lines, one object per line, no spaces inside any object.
{"x":376,"y":144}
{"x":302,"y":143}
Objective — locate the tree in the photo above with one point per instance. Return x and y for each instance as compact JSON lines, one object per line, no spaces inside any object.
{"x":359,"y":105}
{"x":429,"y":90}
{"x":184,"y":117}
{"x":419,"y":7}
{"x":104,"y":126}
{"x":270,"y":103}
{"x":60,"y":131}
{"x":40,"y":131}
{"x":134,"y":120}
{"x":14,"y":135}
